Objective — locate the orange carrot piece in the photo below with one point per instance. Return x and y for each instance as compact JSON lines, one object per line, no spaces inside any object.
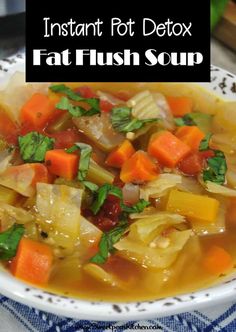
{"x":37,"y":111}
{"x":180,"y":106}
{"x":117,"y":157}
{"x":217,"y":260}
{"x":139,"y":168}
{"x":167,"y":148}
{"x":191,"y":135}
{"x":61,"y":163}
{"x":33,"y":261}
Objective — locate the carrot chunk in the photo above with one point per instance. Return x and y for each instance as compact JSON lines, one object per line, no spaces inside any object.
{"x":33,"y":262}
{"x":217,"y":260}
{"x":167,"y":148}
{"x":61,"y":163}
{"x":139,"y":168}
{"x":180,"y":106}
{"x":191,"y":135}
{"x":117,"y":157}
{"x":37,"y":111}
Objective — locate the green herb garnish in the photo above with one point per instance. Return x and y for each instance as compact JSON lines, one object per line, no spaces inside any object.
{"x":136,"y":208}
{"x":84,"y":160}
{"x":33,"y":146}
{"x":205,"y":143}
{"x":9,"y":241}
{"x":201,"y":120}
{"x":109,"y":189}
{"x":107,"y":242}
{"x":76,"y":111}
{"x":217,"y":9}
{"x":186,"y":120}
{"x":216,"y":165}
{"x":122,"y":121}
{"x":216,"y":168}
{"x":102,"y":194}
{"x":108,"y":239}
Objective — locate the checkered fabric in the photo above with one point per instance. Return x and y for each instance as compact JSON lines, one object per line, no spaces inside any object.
{"x":17,"y":317}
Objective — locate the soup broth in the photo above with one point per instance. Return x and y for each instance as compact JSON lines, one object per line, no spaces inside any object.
{"x":117,"y":192}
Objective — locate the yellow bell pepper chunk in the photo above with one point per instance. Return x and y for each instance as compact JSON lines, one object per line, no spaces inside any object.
{"x":203,"y":208}
{"x":8,"y":196}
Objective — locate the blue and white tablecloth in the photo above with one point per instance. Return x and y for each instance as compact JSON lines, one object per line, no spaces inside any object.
{"x":15,"y":317}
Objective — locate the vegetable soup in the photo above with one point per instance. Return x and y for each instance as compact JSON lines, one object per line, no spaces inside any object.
{"x":117,"y":192}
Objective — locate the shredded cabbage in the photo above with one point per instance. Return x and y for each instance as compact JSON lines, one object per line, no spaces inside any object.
{"x":143,"y":241}
{"x":219,"y":189}
{"x":21,"y":181}
{"x":160,"y":187}
{"x":158,"y":258}
{"x":10,"y":214}
{"x":60,"y":206}
{"x":143,"y":106}
{"x":150,"y":227}
{"x":147,"y":105}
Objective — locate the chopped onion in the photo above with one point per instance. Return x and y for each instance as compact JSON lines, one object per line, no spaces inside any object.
{"x":110,"y":98}
{"x":131,"y":193}
{"x":165,"y":113}
{"x":190,"y":185}
{"x":99,"y":129}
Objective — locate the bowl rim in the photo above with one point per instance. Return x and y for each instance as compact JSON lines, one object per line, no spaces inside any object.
{"x":118,"y":311}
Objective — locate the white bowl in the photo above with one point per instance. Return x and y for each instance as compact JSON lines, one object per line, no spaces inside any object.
{"x":223,"y":83}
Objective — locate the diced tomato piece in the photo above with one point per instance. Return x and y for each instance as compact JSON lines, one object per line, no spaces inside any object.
{"x":8,"y":129}
{"x":66,"y":139}
{"x":207,"y":154}
{"x":192,"y":164}
{"x":86,"y":92}
{"x":117,"y":182}
{"x":105,"y":224}
{"x":106,"y":106}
